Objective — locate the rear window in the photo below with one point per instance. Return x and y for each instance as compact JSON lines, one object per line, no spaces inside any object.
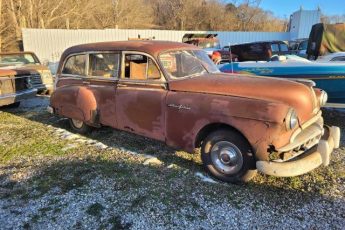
{"x":75,"y":65}
{"x":104,"y":64}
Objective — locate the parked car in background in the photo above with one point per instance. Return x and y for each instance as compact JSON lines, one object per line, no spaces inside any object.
{"x":172,"y":92}
{"x":41,"y":77}
{"x":259,"y":51}
{"x":210,"y":44}
{"x":325,"y":39}
{"x":15,"y":85}
{"x":334,"y":57}
{"x":299,"y":47}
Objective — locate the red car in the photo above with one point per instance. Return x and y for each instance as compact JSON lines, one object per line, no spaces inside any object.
{"x":172,"y":92}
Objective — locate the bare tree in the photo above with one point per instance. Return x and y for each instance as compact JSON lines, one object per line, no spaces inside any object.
{"x":210,"y":15}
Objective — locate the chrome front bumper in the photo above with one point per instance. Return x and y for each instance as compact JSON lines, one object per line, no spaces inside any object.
{"x":18,"y":96}
{"x":305,"y":162}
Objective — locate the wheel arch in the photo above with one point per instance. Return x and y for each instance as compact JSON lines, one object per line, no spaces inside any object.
{"x":209,"y":128}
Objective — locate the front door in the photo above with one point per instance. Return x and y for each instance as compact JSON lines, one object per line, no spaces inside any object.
{"x":140,"y":96}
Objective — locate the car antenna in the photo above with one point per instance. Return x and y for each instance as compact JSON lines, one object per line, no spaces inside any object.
{"x":231,"y":63}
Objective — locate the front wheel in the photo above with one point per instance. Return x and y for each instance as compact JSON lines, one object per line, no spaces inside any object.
{"x":227,"y":156}
{"x":79,"y":126}
{"x":14,"y":105}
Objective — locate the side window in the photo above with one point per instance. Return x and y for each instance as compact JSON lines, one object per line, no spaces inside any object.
{"x":75,"y":65}
{"x":152,"y":70}
{"x":284,"y":47}
{"x":140,"y":67}
{"x":275,"y":47}
{"x":104,"y":64}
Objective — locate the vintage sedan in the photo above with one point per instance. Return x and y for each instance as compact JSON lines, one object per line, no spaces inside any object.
{"x":172,"y":92}
{"x":15,"y":85}
{"x":41,"y":77}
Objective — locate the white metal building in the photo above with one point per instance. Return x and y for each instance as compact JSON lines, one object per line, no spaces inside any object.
{"x":49,"y":44}
{"x":301,"y":22}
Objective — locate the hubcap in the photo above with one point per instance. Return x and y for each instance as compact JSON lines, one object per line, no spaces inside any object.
{"x":226,"y":157}
{"x":78,"y":124}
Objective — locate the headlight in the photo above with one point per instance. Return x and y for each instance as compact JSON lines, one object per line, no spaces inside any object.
{"x":323,"y":98}
{"x":291,"y":119}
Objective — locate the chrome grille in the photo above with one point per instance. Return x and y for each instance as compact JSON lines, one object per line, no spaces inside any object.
{"x":306,"y":138}
{"x":36,"y":79}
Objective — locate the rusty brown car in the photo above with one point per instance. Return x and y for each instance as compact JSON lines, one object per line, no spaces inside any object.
{"x":172,"y":92}
{"x":15,"y":85}
{"x":41,"y":77}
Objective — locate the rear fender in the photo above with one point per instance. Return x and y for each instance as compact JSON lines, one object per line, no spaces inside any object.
{"x":75,"y":102}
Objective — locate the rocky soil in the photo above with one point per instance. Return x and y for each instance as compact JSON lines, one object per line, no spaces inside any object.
{"x":51,"y":178}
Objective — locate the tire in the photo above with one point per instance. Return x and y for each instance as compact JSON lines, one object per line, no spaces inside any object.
{"x":228,"y":156}
{"x":79,"y":126}
{"x":14,"y":105}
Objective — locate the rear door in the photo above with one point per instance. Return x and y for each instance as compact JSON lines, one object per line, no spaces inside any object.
{"x":102,"y":75}
{"x":140,"y":96}
{"x":68,"y":82}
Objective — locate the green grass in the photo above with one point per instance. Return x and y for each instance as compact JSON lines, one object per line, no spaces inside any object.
{"x":20,"y":137}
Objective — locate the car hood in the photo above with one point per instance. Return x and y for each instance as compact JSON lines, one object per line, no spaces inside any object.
{"x":12,"y":72}
{"x":32,"y":68}
{"x":296,"y":95}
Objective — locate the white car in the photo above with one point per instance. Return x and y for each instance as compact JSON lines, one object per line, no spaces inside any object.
{"x":337,"y":57}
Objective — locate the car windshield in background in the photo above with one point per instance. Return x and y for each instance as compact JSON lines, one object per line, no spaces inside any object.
{"x":303,"y":45}
{"x":17,"y":59}
{"x":187,"y":63}
{"x":208,"y":44}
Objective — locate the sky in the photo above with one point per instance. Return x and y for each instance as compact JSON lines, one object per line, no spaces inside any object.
{"x":284,"y":8}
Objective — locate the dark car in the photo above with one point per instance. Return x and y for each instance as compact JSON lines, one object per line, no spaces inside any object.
{"x":260,"y":51}
{"x":299,"y":47}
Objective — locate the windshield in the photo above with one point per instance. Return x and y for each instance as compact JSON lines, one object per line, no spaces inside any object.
{"x":17,"y":59}
{"x":186,"y":63}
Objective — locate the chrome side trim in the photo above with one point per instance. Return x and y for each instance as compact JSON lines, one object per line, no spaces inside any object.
{"x":18,"y":94}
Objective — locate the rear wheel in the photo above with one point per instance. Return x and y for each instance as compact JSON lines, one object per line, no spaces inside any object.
{"x":227,"y":156}
{"x":79,"y":126}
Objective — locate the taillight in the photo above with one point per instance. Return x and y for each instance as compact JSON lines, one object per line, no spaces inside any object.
{"x":216,"y":54}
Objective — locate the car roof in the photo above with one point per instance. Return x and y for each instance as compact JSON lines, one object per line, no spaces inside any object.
{"x":147,"y":46}
{"x":259,"y":42}
{"x":19,"y":52}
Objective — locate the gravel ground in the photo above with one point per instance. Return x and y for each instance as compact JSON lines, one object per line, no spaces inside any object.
{"x":51,"y":178}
